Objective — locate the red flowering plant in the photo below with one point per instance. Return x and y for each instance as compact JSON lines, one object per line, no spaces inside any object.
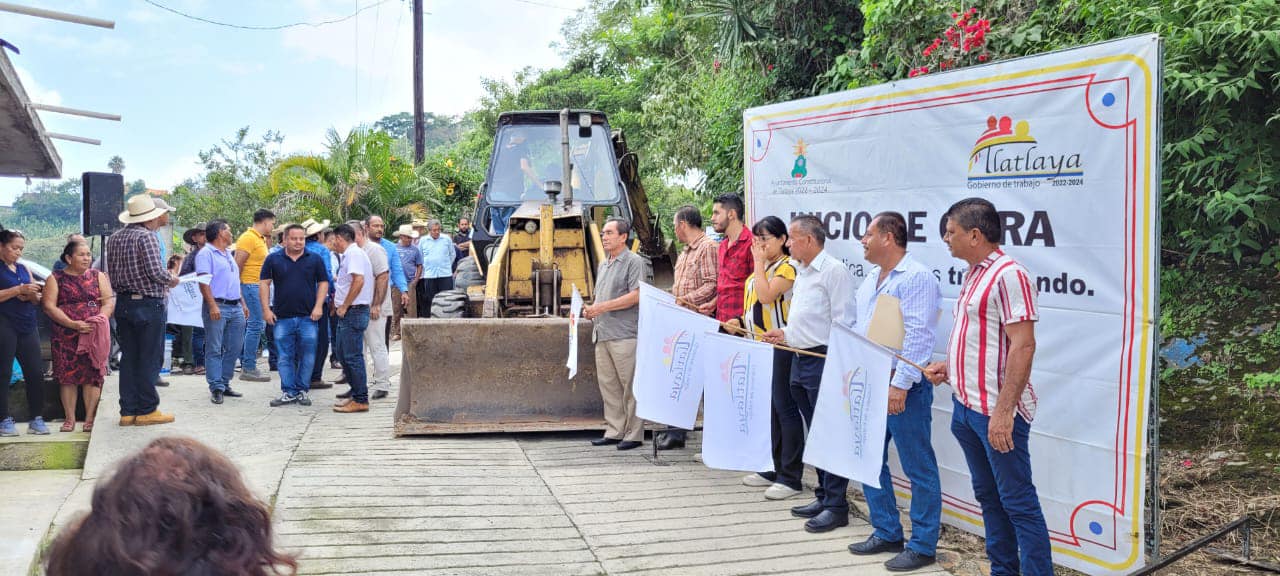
{"x":962,"y":43}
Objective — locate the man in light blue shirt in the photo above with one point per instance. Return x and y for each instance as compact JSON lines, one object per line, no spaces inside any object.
{"x":224,"y":311}
{"x":896,"y":273}
{"x":437,"y":266}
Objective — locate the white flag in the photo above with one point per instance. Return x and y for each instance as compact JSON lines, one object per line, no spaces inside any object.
{"x":184,"y":304}
{"x":651,"y":292}
{"x":668,"y":376}
{"x":738,"y":378}
{"x":848,"y":429}
{"x":575,"y":313}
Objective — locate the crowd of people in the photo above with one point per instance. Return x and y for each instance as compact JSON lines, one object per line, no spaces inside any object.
{"x":776,"y":282}
{"x":307,"y":284}
{"x":313,"y":291}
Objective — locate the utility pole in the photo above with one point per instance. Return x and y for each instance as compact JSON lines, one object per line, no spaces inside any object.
{"x":419,"y":120}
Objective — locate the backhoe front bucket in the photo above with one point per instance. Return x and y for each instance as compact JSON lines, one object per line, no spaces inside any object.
{"x":473,"y":375}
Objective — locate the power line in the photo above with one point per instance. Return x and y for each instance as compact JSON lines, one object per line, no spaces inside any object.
{"x":252,"y":27}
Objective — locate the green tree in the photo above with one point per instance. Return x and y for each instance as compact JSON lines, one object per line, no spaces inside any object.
{"x":135,"y":187}
{"x":234,"y":183}
{"x":54,"y":202}
{"x":116,"y":164}
{"x":361,"y":175}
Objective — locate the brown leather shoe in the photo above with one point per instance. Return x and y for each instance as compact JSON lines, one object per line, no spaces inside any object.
{"x":351,"y":406}
{"x":127,"y":420}
{"x":156,"y":417}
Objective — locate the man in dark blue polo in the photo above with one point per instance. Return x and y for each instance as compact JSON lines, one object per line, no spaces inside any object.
{"x":301,"y":285}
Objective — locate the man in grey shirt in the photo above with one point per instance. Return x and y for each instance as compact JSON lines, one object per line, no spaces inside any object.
{"x":614,"y":314}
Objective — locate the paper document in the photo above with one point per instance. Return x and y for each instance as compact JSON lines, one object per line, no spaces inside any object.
{"x":886,"y":327}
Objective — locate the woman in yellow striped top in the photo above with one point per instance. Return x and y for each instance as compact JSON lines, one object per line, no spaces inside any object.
{"x":766,"y":303}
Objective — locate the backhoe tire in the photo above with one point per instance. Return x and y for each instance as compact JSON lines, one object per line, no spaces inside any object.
{"x":468,"y":274}
{"x":449,"y":304}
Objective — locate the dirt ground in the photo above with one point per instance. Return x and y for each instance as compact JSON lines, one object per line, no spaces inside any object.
{"x":1201,"y":491}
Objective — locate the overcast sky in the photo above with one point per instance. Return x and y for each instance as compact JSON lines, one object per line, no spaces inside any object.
{"x":183,"y":85}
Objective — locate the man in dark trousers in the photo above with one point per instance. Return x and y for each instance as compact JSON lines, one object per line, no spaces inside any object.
{"x":141,"y":284}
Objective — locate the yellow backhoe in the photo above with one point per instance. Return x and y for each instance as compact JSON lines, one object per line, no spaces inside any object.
{"x":496,"y":361}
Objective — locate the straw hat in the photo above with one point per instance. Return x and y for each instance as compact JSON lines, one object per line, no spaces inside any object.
{"x":189,"y":235}
{"x":405,"y":230}
{"x":313,"y":227}
{"x":143,"y":208}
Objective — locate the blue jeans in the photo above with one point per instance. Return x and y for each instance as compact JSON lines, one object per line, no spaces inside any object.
{"x":140,"y":333}
{"x":324,"y":337}
{"x":806,"y":377}
{"x":253,"y":327}
{"x":911,"y":431}
{"x":197,"y":345}
{"x":1017,"y":537}
{"x":350,"y":343}
{"x":222,"y":343}
{"x":295,"y":340}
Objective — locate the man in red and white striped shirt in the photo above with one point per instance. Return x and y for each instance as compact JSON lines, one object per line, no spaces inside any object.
{"x":989,"y":367}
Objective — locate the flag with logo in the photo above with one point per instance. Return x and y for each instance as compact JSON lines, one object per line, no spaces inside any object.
{"x":575,"y":315}
{"x":668,"y":376}
{"x":847,"y":434}
{"x":737,"y":398}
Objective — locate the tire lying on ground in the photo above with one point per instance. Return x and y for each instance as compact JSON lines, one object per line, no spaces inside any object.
{"x":467,"y":275}
{"x":449,"y":304}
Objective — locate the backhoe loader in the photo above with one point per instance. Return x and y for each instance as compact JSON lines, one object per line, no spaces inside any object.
{"x":554,"y":178}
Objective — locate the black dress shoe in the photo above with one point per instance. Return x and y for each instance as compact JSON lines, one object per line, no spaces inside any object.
{"x":378,"y":394}
{"x":666,"y":442}
{"x":346,"y":394}
{"x":826,"y":522}
{"x":605,"y":441}
{"x":320,"y":385}
{"x":229,"y":393}
{"x":908,"y":560}
{"x":217,"y":397}
{"x":808,"y":510}
{"x":162,"y":383}
{"x":874,"y":545}
{"x":629,"y":444}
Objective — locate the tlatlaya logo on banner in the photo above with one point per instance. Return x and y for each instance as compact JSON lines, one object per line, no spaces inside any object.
{"x":801,"y":168}
{"x":677,"y":349}
{"x":1006,"y":155}
{"x":735,"y":374}
{"x":855,"y":395}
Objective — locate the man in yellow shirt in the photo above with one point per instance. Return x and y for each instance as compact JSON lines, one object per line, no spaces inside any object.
{"x":251,"y":252}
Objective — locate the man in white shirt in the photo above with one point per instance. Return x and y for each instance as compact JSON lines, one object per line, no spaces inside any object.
{"x":352,"y":296}
{"x":822,"y":295}
{"x":379,"y":313}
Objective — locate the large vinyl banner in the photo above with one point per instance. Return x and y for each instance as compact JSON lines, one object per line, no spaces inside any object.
{"x":1066,"y":146}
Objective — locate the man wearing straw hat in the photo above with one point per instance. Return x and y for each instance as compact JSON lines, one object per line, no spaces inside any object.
{"x":411,"y":262}
{"x":821,"y":296}
{"x":324,"y":331}
{"x":141,"y":284}
{"x":193,"y":336}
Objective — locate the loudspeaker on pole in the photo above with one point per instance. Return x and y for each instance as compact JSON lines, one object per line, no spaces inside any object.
{"x":102,"y":197}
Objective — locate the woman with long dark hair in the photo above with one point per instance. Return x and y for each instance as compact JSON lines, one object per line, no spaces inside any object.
{"x":79,"y":301}
{"x":176,"y":507}
{"x":766,"y":303}
{"x":18,"y":335}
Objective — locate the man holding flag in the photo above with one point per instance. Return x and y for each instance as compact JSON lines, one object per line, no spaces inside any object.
{"x":989,"y":367}
{"x":901,"y":279}
{"x":823,"y":295}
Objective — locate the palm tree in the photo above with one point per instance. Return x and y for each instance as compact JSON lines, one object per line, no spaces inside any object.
{"x":116,"y":164}
{"x":360,"y":176}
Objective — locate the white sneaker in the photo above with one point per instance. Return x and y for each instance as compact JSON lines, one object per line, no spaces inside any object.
{"x":756,"y":481}
{"x":780,"y":492}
